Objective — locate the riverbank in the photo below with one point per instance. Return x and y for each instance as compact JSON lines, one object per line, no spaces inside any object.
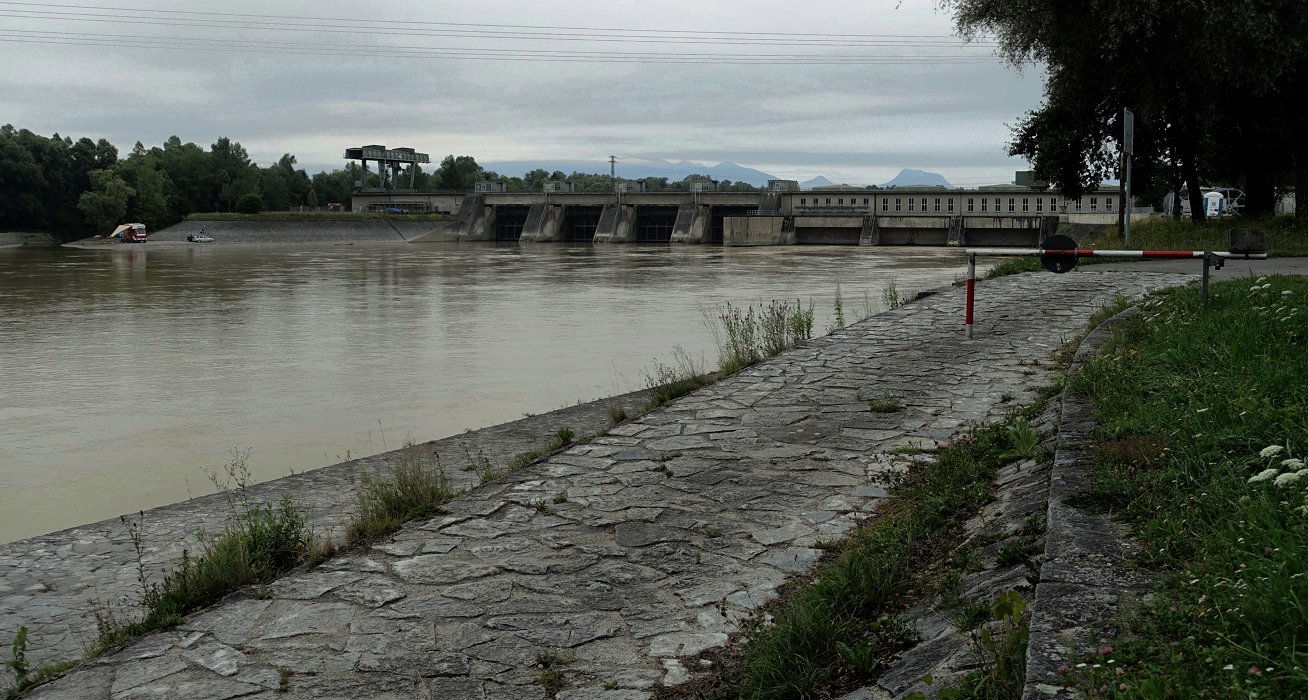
{"x":12,"y":239}
{"x":283,"y":230}
{"x":669,"y":532}
{"x":54,"y":583}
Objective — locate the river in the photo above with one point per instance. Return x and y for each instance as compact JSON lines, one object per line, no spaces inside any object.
{"x":128,"y":371}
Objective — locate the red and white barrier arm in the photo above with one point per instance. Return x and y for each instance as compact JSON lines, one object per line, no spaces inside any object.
{"x":1091,"y":253}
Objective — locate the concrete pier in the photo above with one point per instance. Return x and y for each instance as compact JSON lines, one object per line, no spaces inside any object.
{"x":628,"y":555}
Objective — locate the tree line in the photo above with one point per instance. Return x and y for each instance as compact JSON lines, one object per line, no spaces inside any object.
{"x":68,"y":187}
{"x":1212,"y":86}
{"x":72,"y":188}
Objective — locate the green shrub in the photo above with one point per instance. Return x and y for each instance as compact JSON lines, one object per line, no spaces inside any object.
{"x":249,"y":204}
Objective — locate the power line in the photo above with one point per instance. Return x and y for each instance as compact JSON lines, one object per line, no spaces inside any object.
{"x":549,"y":31}
{"x":246,"y":46}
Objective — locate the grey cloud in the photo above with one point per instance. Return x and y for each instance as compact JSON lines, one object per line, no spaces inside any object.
{"x":863,"y":119}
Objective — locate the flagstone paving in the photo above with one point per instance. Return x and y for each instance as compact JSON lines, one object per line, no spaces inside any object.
{"x":621,"y":559}
{"x":53,"y":583}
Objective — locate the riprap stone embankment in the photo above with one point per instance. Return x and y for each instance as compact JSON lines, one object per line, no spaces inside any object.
{"x":666,"y":535}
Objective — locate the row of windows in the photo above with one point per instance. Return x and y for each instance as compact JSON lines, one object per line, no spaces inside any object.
{"x":1014,"y":204}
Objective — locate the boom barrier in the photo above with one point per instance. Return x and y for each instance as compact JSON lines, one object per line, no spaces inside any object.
{"x":1060,"y":254}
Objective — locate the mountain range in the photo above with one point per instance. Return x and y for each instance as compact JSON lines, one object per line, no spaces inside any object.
{"x":633,"y":169}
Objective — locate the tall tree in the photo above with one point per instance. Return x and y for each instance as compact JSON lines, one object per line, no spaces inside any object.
{"x":106,"y":203}
{"x":459,"y":173}
{"x":1222,"y":118}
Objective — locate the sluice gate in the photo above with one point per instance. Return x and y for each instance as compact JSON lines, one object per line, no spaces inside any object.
{"x":580,"y":223}
{"x":509,"y":221}
{"x":654,"y":223}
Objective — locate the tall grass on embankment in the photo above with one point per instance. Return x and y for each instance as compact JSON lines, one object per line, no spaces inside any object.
{"x":1203,"y":416}
{"x":259,"y":542}
{"x":747,"y":335}
{"x":415,"y":488}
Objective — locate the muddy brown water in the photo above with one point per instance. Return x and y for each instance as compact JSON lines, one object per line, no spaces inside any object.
{"x":126,"y":371}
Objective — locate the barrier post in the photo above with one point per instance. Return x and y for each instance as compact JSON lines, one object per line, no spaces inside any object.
{"x":1049,"y":257}
{"x":971,"y":292}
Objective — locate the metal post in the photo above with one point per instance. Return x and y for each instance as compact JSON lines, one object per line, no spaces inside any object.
{"x":1126,"y":221}
{"x":971,"y":293}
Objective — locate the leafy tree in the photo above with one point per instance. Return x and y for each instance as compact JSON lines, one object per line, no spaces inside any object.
{"x":106,"y":203}
{"x":191,"y":170}
{"x":274,"y":189}
{"x":22,"y":181}
{"x":1227,"y":118}
{"x":249,"y":204}
{"x":459,"y":173}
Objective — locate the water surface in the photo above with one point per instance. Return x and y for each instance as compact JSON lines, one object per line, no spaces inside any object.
{"x":125,"y":372}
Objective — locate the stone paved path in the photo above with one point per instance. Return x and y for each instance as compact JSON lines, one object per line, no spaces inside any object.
{"x":51,"y":583}
{"x":666,"y":535}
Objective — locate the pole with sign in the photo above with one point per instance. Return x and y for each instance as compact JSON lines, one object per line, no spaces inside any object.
{"x":1128,"y":149}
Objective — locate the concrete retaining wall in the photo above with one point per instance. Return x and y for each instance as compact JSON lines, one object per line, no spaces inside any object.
{"x":15,"y":239}
{"x":755,"y":230}
{"x":228,"y":232}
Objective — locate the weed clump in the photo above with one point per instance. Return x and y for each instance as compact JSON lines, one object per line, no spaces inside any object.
{"x":414,"y":490}
{"x":746,"y":336}
{"x":668,"y":382}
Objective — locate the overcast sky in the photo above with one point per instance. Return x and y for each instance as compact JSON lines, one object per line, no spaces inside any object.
{"x":323,"y":76}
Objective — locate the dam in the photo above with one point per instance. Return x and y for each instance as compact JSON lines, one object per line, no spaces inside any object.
{"x":782,"y":214}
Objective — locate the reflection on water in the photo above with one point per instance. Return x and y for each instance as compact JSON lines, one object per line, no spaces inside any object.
{"x":125,"y":372}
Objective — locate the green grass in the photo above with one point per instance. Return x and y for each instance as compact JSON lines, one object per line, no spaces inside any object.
{"x":668,"y":382}
{"x":415,"y":489}
{"x":839,"y":630}
{"x":315,"y":216}
{"x":889,"y":405}
{"x":1189,"y":399}
{"x":1285,"y":236}
{"x":259,"y":543}
{"x":24,"y":675}
{"x":748,"y":335}
{"x":1014,"y":266}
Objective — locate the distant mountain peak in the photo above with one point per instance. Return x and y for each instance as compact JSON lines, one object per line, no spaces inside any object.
{"x":637,"y":168}
{"x":908,"y":177}
{"x":819,"y":181}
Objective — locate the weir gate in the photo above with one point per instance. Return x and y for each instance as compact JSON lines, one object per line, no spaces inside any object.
{"x":992,"y":216}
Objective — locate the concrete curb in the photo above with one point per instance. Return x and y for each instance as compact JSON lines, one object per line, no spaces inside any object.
{"x":1083,"y":581}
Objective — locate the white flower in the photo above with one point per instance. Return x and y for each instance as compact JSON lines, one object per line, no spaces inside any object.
{"x":1271,"y":451}
{"x":1292,"y":463}
{"x":1229,"y":667}
{"x":1254,"y":288}
{"x":1260,"y":280}
{"x":1264,"y":475}
{"x":1267,"y":286}
{"x":1286,"y":293}
{"x":1286,"y":479}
